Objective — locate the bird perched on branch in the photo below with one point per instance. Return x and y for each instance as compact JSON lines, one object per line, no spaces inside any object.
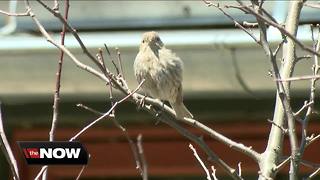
{"x":162,"y":71}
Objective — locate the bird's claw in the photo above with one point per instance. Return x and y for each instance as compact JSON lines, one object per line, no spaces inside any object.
{"x":158,"y":114}
{"x":141,"y":102}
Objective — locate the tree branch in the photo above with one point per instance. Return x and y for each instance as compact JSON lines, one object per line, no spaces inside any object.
{"x":200,"y":161}
{"x":142,"y":158}
{"x":4,"y":144}
{"x":279,"y":27}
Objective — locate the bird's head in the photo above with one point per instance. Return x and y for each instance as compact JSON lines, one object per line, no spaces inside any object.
{"x":151,"y":39}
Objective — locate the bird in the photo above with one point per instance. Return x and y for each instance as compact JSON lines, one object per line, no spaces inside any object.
{"x":161,"y":70}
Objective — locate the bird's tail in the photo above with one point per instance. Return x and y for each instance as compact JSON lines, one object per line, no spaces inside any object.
{"x":181,"y":110}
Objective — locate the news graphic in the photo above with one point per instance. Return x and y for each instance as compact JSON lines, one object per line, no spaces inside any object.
{"x":53,"y":153}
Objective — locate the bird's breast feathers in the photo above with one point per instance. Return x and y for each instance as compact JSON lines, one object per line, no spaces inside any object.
{"x":162,"y":75}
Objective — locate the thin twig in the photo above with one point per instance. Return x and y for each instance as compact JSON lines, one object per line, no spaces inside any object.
{"x":279,"y":27}
{"x":236,"y":23}
{"x":304,"y":107}
{"x":300,"y":78}
{"x":73,"y":32}
{"x":312,"y":5}
{"x":238,"y":75}
{"x":285,"y":131}
{"x":305,"y":163}
{"x":169,"y":118}
{"x":14,"y":14}
{"x":212,"y":133}
{"x":92,"y":110}
{"x":82,"y":169}
{"x":42,"y":170}
{"x":215,"y":135}
{"x":142,"y":158}
{"x":120,"y":62}
{"x":102,"y":59}
{"x":310,"y":164}
{"x":105,"y":114}
{"x":55,"y":5}
{"x":314,"y":174}
{"x":239,"y":168}
{"x":11,"y":22}
{"x":249,"y":24}
{"x":315,"y":68}
{"x":56,"y":98}
{"x":200,"y":161}
{"x":133,"y":146}
{"x":276,"y":51}
{"x":58,"y":77}
{"x":111,"y":59}
{"x":214,"y":173}
{"x":6,"y":149}
{"x":135,"y":152}
{"x":65,"y":50}
{"x":302,"y":58}
{"x":282,"y":164}
{"x":312,"y":139}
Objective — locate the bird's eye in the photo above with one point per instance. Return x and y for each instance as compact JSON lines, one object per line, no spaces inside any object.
{"x":143,"y":41}
{"x":157,"y":38}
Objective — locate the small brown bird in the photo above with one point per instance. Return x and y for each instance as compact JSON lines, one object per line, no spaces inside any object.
{"x":162,"y":71}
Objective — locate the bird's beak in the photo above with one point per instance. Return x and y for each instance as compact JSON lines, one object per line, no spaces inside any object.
{"x":159,"y":44}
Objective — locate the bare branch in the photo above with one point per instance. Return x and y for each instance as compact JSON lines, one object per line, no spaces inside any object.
{"x":282,"y":164}
{"x":314,"y":174}
{"x":135,"y":152}
{"x":208,"y":3}
{"x":200,"y":161}
{"x":56,"y":98}
{"x":65,"y":50}
{"x":249,"y":24}
{"x":238,"y":75}
{"x":111,"y":59}
{"x":315,"y":68}
{"x":304,"y":107}
{"x":285,"y":131}
{"x":6,"y":149}
{"x":42,"y":170}
{"x":308,"y":77}
{"x":73,"y":31}
{"x":120,"y":63}
{"x":91,"y":110}
{"x":312,"y":139}
{"x":275,"y":53}
{"x":55,"y":5}
{"x":283,"y":108}
{"x":82,"y":169}
{"x":214,"y":173}
{"x":212,"y":133}
{"x":140,"y":163}
{"x":15,"y":14}
{"x":107,"y":113}
{"x":239,"y":169}
{"x":310,"y":164}
{"x":142,"y":158}
{"x":100,"y":55}
{"x":169,"y":118}
{"x":312,"y":5}
{"x":279,"y":27}
{"x":303,"y":57}
{"x":58,"y":77}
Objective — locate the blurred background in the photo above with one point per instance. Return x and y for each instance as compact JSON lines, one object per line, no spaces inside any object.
{"x":226,"y":85}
